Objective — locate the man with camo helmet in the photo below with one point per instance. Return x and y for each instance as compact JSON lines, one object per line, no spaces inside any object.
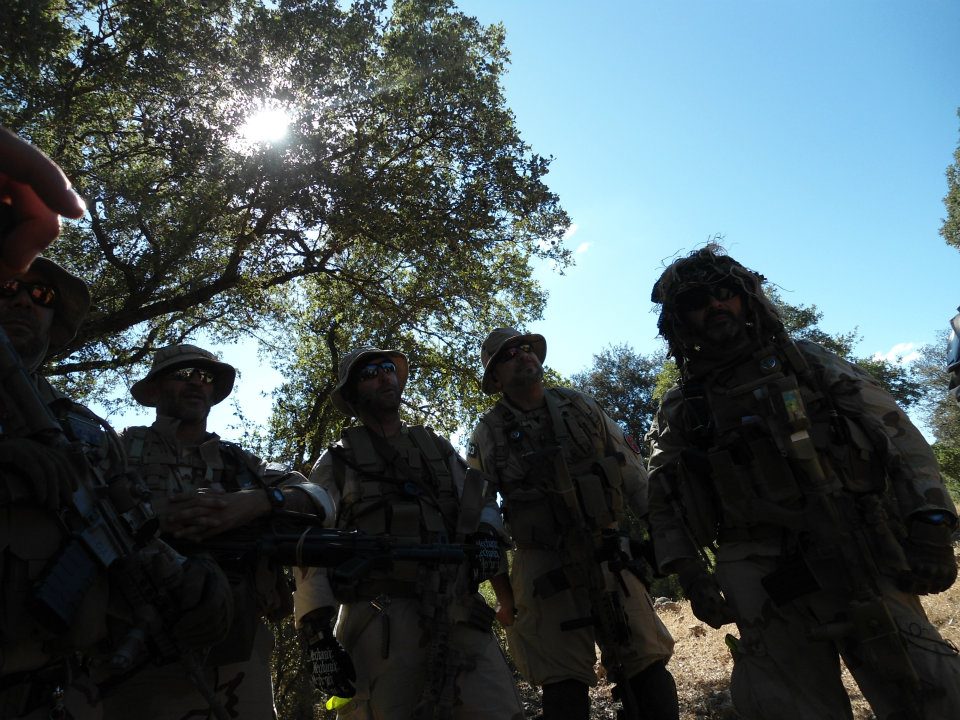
{"x":413,"y":640}
{"x":821,"y":503}
{"x":75,"y":529}
{"x":566,"y":474}
{"x":203,"y":486}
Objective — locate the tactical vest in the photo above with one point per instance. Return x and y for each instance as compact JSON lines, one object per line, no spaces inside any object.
{"x":535,"y":441}
{"x":30,"y":537}
{"x":216,"y":464}
{"x":260,"y":588}
{"x":409,"y":495}
{"x":767,"y":437}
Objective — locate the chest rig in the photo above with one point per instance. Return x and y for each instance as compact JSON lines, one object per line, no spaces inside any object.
{"x":767,"y":436}
{"x":214,"y":463}
{"x":400,"y":487}
{"x":532,"y":450}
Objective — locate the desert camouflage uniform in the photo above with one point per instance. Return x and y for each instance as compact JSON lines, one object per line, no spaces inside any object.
{"x":33,"y":659}
{"x":389,"y":619}
{"x":238,"y":670}
{"x":610,"y":475}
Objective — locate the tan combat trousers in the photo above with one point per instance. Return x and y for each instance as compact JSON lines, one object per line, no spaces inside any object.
{"x":391,"y":662}
{"x":244,"y":690}
{"x":780,"y":673}
{"x":546,"y":653}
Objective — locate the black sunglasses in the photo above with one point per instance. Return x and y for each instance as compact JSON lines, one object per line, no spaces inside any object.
{"x":508,"y":354}
{"x":700,"y":296}
{"x":39,"y":293}
{"x":185,"y":374}
{"x":368,"y":372}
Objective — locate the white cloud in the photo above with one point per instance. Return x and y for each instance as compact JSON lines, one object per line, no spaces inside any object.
{"x":581,"y":248}
{"x":902,"y":353}
{"x":570,"y":231}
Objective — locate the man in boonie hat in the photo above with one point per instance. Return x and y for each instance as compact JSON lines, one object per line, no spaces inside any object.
{"x":413,"y":640}
{"x":45,"y":488}
{"x":203,"y":486}
{"x":566,"y":473}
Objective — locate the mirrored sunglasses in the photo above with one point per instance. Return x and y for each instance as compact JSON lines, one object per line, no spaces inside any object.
{"x":39,"y":293}
{"x":508,"y":354}
{"x":700,"y":296}
{"x":368,"y":372}
{"x":187,"y":373}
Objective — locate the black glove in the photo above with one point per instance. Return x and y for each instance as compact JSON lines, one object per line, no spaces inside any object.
{"x":331,"y":667}
{"x":31,"y":472}
{"x":206,"y":604}
{"x":929,"y":551}
{"x":704,"y":594}
{"x":485,"y":561}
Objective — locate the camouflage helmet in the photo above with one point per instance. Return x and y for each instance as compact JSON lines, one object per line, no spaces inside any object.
{"x":710,"y":266}
{"x":496,"y":341}
{"x":354,"y":358}
{"x":169,"y":358}
{"x":72,"y":304}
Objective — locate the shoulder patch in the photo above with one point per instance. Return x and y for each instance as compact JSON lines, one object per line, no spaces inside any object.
{"x":472,"y":450}
{"x":632,"y":443}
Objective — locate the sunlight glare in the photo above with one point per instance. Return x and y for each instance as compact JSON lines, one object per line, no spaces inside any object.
{"x":266,"y":125}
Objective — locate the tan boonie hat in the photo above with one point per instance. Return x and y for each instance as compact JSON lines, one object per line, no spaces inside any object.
{"x":73,"y":302}
{"x":354,"y":358}
{"x":495,"y":342}
{"x":178,"y":356}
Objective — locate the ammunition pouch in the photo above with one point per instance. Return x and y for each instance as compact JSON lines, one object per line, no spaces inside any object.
{"x":531,"y":519}
{"x":61,"y":591}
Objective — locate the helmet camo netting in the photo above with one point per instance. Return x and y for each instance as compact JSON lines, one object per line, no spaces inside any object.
{"x":710,"y":266}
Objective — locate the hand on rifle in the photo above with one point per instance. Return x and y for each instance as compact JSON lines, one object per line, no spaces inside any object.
{"x":929,"y":551}
{"x":331,"y":667}
{"x":704,"y":593}
{"x":35,"y":474}
{"x":34,"y":192}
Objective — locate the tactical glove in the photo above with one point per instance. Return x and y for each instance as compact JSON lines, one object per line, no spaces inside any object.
{"x":485,"y":561}
{"x":929,"y":551}
{"x":206,"y":604}
{"x":34,"y":473}
{"x":706,"y":598}
{"x":331,"y":667}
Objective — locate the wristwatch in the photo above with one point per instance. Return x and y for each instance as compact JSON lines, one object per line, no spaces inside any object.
{"x":276,"y":497}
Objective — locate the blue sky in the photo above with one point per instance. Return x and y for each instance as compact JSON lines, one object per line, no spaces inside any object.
{"x":813,"y":135}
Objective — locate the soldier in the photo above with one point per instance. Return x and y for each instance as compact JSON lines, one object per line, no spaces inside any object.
{"x":822,"y":503}
{"x":64,"y":596}
{"x":566,"y":474}
{"x":202,"y":487}
{"x":953,"y":357}
{"x":33,"y":193}
{"x":418,"y":635}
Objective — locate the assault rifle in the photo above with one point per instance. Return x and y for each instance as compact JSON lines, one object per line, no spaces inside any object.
{"x":109,"y":524}
{"x":294,"y":540}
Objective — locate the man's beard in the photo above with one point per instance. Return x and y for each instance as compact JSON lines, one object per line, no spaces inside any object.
{"x":526,"y":378}
{"x":728,"y":332}
{"x":27,"y":338}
